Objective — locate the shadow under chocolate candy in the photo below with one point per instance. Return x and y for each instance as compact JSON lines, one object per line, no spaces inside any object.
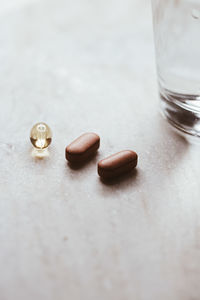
{"x":129,"y":176}
{"x":81,"y":164}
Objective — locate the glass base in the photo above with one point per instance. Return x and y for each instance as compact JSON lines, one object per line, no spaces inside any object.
{"x":182,"y":111}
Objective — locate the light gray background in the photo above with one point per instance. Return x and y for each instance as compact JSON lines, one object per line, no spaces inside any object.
{"x":88,"y":65}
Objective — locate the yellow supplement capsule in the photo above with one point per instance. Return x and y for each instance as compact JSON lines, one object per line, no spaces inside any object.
{"x":41,"y":136}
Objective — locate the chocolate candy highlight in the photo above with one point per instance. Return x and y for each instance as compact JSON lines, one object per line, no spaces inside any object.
{"x":117,"y":164}
{"x":82,"y":148}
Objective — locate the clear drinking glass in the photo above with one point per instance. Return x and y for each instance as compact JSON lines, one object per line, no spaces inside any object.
{"x":177,"y":43}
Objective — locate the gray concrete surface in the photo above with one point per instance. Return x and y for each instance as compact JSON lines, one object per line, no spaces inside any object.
{"x":89,"y":66}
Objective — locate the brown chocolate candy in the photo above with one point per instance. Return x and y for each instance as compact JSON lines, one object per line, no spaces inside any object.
{"x":117,"y":164}
{"x":82,"y":148}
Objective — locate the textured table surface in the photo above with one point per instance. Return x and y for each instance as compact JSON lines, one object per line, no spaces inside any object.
{"x":83,"y":65}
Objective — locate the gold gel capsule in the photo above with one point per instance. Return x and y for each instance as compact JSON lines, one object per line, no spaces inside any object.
{"x":41,"y":136}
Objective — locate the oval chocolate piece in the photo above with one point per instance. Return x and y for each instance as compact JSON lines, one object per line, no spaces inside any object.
{"x":82,"y":148}
{"x":117,"y":164}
